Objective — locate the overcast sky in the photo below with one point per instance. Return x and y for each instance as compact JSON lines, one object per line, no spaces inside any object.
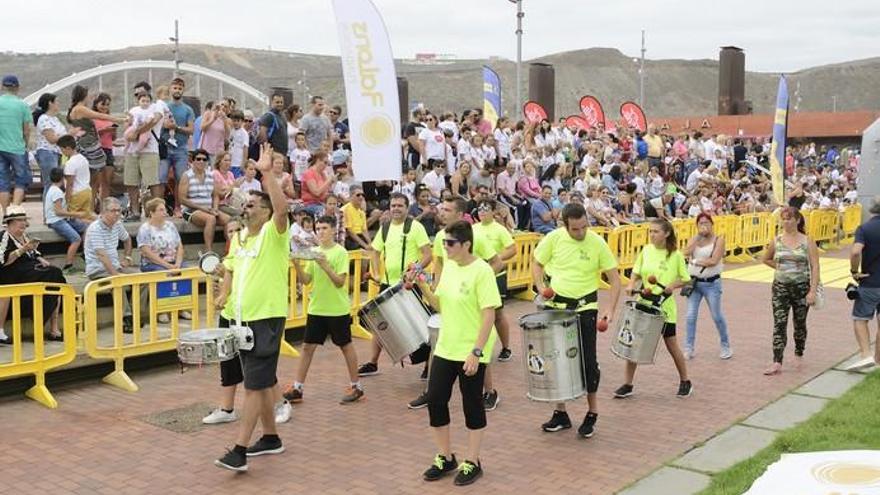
{"x":778,"y":36}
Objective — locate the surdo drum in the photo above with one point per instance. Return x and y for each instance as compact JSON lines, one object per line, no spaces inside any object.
{"x":398,"y":319}
{"x":552,"y":353}
{"x":638,"y":333}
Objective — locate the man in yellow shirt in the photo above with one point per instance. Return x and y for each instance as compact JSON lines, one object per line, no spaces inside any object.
{"x":656,"y":149}
{"x":259,"y":261}
{"x":500,"y":243}
{"x":329,"y":310}
{"x":397,"y":247}
{"x":356,"y":234}
{"x":576,"y":258}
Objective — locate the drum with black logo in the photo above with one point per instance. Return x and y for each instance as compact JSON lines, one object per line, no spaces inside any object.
{"x":552,"y":352}
{"x":638,"y":333}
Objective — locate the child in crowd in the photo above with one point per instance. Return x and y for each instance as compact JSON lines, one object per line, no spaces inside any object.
{"x":250,"y":182}
{"x":162,"y":95}
{"x":407,"y":185}
{"x":238,"y":144}
{"x":299,"y":156}
{"x":302,"y":232}
{"x":64,"y":222}
{"x":78,"y":186}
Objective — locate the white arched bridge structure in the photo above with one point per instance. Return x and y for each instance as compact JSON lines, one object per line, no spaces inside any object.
{"x":124,"y":67}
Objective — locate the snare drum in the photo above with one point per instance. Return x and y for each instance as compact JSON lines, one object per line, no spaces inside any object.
{"x":552,"y":352}
{"x":398,"y":319}
{"x":207,"y":346}
{"x":638,"y":333}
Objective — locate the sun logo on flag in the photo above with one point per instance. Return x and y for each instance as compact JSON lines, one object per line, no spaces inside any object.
{"x":377,"y":130}
{"x":848,"y":474}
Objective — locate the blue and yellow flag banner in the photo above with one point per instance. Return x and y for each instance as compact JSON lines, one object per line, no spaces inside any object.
{"x":491,"y":95}
{"x":777,"y":148}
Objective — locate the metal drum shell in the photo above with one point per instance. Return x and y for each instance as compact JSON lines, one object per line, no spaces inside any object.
{"x":638,"y":333}
{"x":207,"y":346}
{"x":553,"y":363}
{"x":398,"y":319}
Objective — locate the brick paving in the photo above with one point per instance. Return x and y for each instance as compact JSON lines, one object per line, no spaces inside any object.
{"x":96,"y":443}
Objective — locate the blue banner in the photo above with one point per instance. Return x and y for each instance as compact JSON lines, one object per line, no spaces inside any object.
{"x":491,"y":95}
{"x":777,"y":148}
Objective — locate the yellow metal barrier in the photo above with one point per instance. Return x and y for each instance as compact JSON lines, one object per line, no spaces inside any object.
{"x":39,"y":363}
{"x":852,"y":218}
{"x":626,"y":243}
{"x":519,"y":268}
{"x":685,"y":230}
{"x":757,"y":230}
{"x":181,"y":291}
{"x":822,"y":227}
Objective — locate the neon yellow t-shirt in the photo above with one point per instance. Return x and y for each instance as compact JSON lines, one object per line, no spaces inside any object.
{"x":261,"y":272}
{"x":478,"y":249}
{"x":464,"y":292}
{"x":655,"y":145}
{"x":574,"y":266}
{"x":355,"y":219}
{"x":494,"y":235}
{"x":653,"y":261}
{"x":393,"y":247}
{"x":325,"y":298}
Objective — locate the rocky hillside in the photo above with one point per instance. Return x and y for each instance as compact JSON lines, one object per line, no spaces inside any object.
{"x":673,"y":87}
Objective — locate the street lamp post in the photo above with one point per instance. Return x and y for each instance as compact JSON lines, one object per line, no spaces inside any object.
{"x":642,"y":73}
{"x":519,"y":32}
{"x":176,"y":40}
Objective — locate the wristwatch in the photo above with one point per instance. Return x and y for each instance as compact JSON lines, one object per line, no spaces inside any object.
{"x":477,"y":352}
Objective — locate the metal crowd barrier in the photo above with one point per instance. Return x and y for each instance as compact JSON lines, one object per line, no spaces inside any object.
{"x":39,"y":362}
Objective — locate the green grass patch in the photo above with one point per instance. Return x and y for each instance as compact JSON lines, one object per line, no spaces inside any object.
{"x":851,"y":422}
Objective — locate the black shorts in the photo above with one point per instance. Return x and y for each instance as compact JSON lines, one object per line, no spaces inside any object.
{"x":258,"y":365}
{"x":668,"y":330}
{"x":501,"y":283}
{"x":318,"y":327}
{"x":351,"y":245}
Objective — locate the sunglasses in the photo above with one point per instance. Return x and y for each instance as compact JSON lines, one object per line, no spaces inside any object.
{"x":333,"y":112}
{"x":359,"y":195}
{"x":248,"y":120}
{"x":451,"y":242}
{"x":200,"y":159}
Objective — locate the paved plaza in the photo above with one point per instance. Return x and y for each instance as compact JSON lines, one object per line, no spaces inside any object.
{"x":102,"y":440}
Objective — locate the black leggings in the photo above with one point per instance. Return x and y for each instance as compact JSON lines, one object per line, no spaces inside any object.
{"x":443,"y":375}
{"x":588,"y":344}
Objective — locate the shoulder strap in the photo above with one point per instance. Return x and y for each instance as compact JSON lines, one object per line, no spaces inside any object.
{"x":407,"y":225}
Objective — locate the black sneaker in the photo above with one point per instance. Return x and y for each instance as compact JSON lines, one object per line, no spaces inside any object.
{"x":623,"y":391}
{"x":441,"y":467}
{"x":505,"y":354}
{"x":424,"y":375}
{"x":233,"y":461}
{"x":490,"y":400}
{"x":293,"y":394}
{"x":685,"y":389}
{"x":420,"y":402}
{"x":468,"y":472}
{"x":368,"y":369}
{"x":588,"y":427}
{"x":559,"y":421}
{"x":265,"y":446}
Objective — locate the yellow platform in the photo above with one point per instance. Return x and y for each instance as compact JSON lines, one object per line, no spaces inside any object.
{"x":834,"y":273}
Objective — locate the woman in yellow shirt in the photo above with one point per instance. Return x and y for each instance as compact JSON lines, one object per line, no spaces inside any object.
{"x":466,"y":296}
{"x":661,"y":261}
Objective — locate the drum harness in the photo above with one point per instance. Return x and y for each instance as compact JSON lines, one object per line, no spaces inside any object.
{"x":576,"y":304}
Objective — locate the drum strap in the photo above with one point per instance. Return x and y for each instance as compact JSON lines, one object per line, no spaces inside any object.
{"x":575,"y":303}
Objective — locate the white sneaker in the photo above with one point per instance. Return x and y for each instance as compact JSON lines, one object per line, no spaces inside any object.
{"x":218,"y":416}
{"x":726,"y":353}
{"x":688,"y":354}
{"x":163,"y":318}
{"x":282,"y":412}
{"x":862,"y":364}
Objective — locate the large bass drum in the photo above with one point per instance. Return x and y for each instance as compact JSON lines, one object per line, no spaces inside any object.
{"x":638,"y":333}
{"x":398,"y":319}
{"x":552,"y":352}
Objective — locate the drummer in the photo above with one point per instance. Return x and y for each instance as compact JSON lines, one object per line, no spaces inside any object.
{"x":261,"y":260}
{"x":662,"y":260}
{"x":401,"y":242}
{"x":576,"y":258}
{"x":329,"y":310}
{"x":452,"y":210}
{"x":466,"y":296}
{"x":500,"y":242}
